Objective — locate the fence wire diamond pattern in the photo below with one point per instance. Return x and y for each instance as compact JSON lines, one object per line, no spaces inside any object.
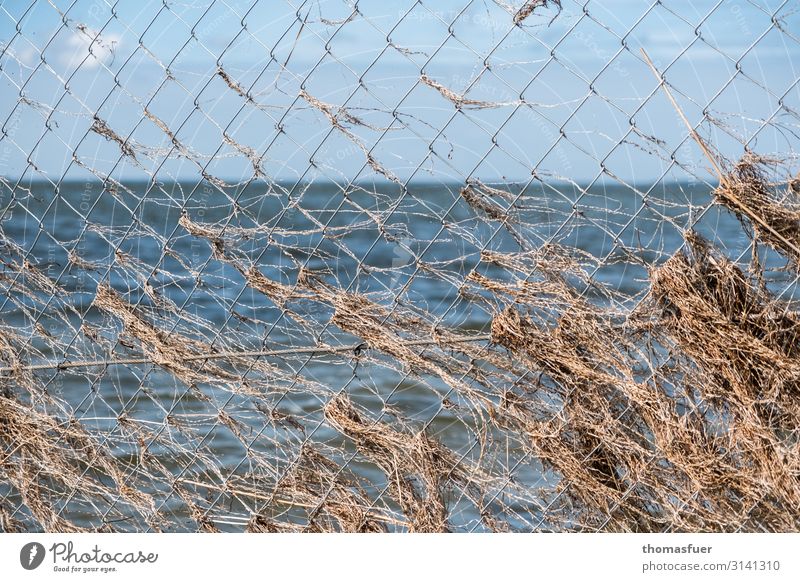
{"x":415,"y":266}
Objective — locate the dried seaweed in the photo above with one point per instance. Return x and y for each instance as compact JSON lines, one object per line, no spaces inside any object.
{"x":373,"y":358}
{"x":527,"y":9}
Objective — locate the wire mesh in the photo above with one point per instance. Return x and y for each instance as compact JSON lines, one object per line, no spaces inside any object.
{"x":432,"y":266}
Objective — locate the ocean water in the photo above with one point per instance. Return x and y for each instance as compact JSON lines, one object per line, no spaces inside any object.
{"x":411,"y":245}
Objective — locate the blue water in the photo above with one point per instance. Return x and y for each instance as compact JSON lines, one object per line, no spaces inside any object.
{"x":412,"y":245}
{"x":431,"y":221}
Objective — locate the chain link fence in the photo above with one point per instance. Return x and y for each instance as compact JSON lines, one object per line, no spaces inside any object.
{"x":350,"y":265}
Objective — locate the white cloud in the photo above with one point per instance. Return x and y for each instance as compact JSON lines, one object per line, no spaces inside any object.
{"x":83,"y":43}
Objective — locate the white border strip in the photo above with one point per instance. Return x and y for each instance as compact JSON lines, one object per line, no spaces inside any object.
{"x":402,"y":557}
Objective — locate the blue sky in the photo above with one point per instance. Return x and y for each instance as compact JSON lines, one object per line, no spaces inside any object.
{"x":563,"y":88}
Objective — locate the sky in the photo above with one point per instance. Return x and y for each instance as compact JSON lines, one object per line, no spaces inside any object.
{"x":218,"y":88}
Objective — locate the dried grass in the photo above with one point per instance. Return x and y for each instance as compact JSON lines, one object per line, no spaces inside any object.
{"x":677,"y":415}
{"x":527,"y":9}
{"x":100,"y":127}
{"x":675,"y":409}
{"x":417,"y":469}
{"x":771,"y":209}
